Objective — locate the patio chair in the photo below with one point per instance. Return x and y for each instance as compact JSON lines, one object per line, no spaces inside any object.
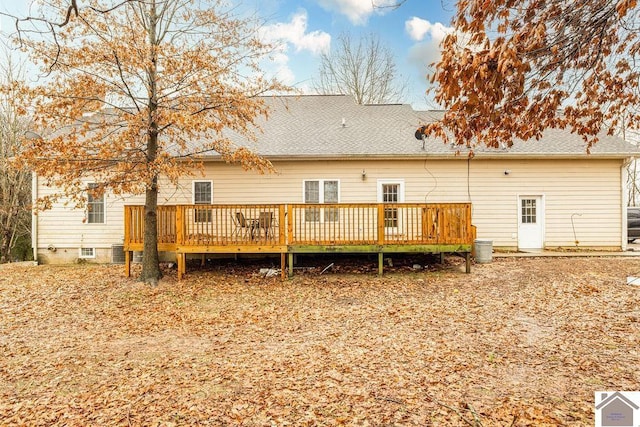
{"x":244,"y":228}
{"x":265,"y":222}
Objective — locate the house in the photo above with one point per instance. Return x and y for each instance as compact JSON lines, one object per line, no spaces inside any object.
{"x":327,"y":149}
{"x":615,"y":410}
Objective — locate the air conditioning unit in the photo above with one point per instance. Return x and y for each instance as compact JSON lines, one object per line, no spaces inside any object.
{"x":117,"y":254}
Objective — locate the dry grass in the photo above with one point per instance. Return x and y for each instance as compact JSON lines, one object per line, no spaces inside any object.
{"x":522,"y":341}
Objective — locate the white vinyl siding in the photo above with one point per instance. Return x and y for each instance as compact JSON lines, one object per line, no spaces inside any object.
{"x":587,"y":190}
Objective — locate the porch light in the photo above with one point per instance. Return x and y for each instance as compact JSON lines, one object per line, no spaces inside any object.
{"x":364,"y":174}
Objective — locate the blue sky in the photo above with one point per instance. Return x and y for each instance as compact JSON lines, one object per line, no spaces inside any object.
{"x":303,"y":29}
{"x":306,"y":28}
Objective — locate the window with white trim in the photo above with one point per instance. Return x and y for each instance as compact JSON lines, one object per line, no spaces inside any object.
{"x":202,"y":195}
{"x":87,"y":253}
{"x":321,"y":191}
{"x":95,"y":206}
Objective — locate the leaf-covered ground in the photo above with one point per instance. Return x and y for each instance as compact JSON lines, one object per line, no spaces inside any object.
{"x":517,"y":342}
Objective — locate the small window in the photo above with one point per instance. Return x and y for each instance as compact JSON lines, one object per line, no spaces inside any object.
{"x":202,"y":195}
{"x":95,"y":206}
{"x":528,"y":212}
{"x":318,"y":192}
{"x":87,"y":252}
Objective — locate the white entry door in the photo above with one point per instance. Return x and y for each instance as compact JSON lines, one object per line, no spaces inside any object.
{"x":391,"y":191}
{"x":530,"y":222}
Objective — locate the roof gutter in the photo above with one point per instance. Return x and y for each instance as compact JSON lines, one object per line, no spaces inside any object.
{"x":439,"y":156}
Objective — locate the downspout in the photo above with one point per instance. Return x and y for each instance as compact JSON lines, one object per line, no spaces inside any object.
{"x":624,"y":198}
{"x":34,"y":217}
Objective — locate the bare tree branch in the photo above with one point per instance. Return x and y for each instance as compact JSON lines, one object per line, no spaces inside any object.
{"x":365,"y":69}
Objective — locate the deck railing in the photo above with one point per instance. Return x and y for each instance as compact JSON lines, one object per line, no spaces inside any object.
{"x":134,"y":226}
{"x":209,"y":225}
{"x":304,"y":224}
{"x":381,"y":223}
{"x":220,"y":225}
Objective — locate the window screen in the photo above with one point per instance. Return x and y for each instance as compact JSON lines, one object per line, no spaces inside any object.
{"x":321,"y":191}
{"x":202,"y":195}
{"x":202,"y":192}
{"x":95,"y":206}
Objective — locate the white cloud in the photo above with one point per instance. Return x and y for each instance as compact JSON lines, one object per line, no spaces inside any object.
{"x":424,"y":54}
{"x":358,"y":11}
{"x":429,"y":36}
{"x":292,"y":35}
{"x":281,"y":68}
{"x":418,"y":29}
{"x":295,"y":33}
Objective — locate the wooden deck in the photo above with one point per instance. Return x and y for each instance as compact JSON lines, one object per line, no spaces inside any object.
{"x":305,"y":228}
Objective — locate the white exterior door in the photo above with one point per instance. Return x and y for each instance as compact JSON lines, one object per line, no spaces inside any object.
{"x":391,"y":191}
{"x":530,"y":222}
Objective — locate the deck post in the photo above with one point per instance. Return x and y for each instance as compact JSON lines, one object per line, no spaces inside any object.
{"x":180,"y":257}
{"x":127,"y":240}
{"x":290,"y":264}
{"x":184,"y":264}
{"x":380,"y":227}
{"x":380,"y":224}
{"x":179,"y":225}
{"x":467,"y":259}
{"x":289,"y":224}
{"x":283,"y":265}
{"x":127,"y":262}
{"x":282,"y":226}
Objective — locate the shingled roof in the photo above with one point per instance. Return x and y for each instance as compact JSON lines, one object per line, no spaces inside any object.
{"x":335,"y":126}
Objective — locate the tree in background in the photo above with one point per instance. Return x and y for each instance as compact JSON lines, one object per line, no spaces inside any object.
{"x":15,"y":182}
{"x":510,"y":66}
{"x":365,"y":69}
{"x":167,"y":78}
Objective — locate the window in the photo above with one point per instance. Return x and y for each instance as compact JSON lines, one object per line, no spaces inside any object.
{"x":202,"y":195}
{"x":87,"y":253}
{"x":528,"y":211}
{"x":321,"y":191}
{"x":95,"y":206}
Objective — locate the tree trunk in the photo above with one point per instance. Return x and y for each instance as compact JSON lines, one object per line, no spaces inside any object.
{"x":150,"y":260}
{"x":5,"y":249}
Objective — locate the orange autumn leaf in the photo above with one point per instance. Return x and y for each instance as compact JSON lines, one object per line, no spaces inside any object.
{"x":531,"y":60}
